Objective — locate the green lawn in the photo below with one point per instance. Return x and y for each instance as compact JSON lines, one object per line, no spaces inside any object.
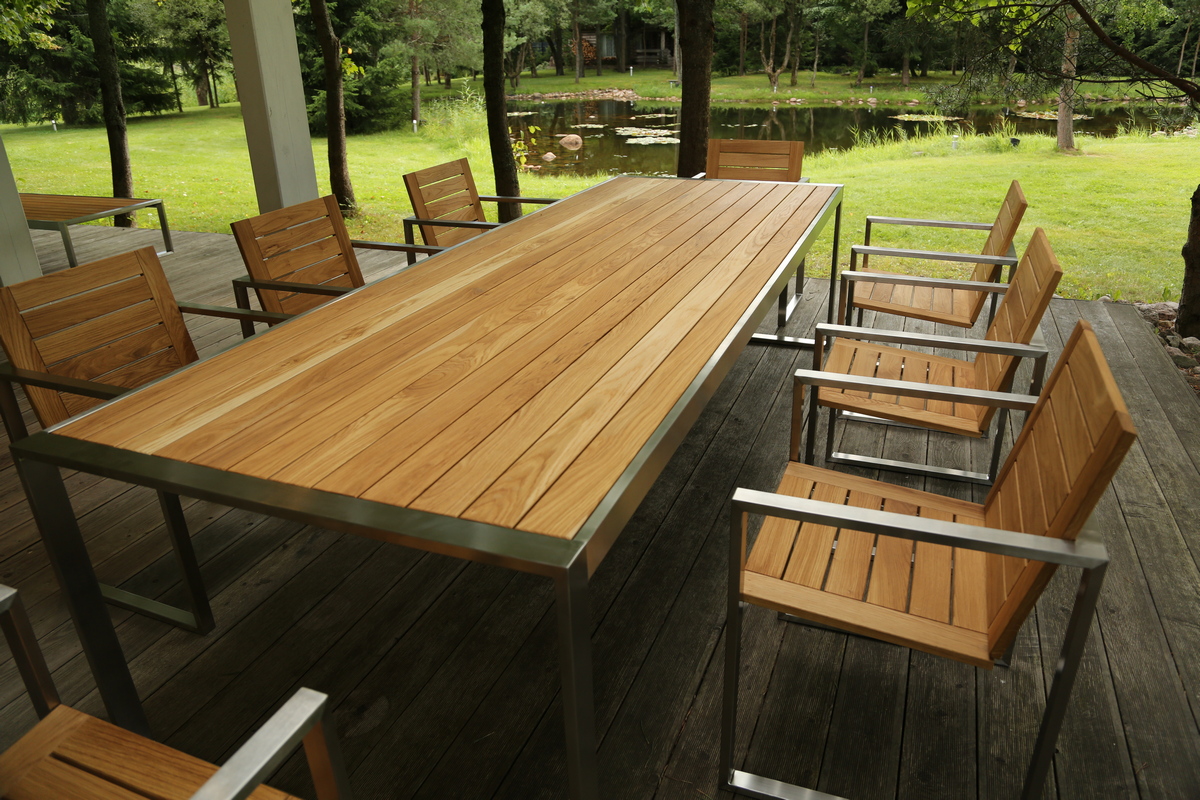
{"x":1116,"y":213}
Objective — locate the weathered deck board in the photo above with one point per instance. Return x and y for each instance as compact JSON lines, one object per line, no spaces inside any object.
{"x":444,"y":675}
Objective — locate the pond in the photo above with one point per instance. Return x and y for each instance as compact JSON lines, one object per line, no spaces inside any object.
{"x":623,"y":136}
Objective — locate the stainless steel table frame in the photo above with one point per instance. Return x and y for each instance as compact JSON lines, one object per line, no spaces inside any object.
{"x":568,"y":562}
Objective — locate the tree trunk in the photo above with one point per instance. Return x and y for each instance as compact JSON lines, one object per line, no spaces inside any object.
{"x":113,"y":105}
{"x":744,"y":24}
{"x":214,"y":100}
{"x":622,"y":39}
{"x":503,"y":164}
{"x":577,"y":33}
{"x":862,"y":67}
{"x":676,"y":66}
{"x":415,"y":77}
{"x":599,"y":60}
{"x":812,"y":84}
{"x":175,"y":86}
{"x":335,"y":107}
{"x":696,"y":51}
{"x":532,"y":56}
{"x":202,"y":86}
{"x":1183,"y":48}
{"x":449,"y":80}
{"x":1066,"y":95}
{"x":905,"y":71}
{"x":555,"y":41}
{"x":1188,"y":321}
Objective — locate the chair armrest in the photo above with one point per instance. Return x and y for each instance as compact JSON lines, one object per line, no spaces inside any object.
{"x":289,"y":286}
{"x":978,"y":397}
{"x":305,"y":717}
{"x":428,"y":250}
{"x":495,"y":198}
{"x":1087,"y":552}
{"x":452,"y":223}
{"x":932,"y":255}
{"x":930,"y":340}
{"x":918,"y":280}
{"x":226,"y":312}
{"x":60,"y":383}
{"x":930,"y":223}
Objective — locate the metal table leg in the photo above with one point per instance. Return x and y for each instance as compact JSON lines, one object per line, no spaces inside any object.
{"x":55,"y":519}
{"x":575,"y":664}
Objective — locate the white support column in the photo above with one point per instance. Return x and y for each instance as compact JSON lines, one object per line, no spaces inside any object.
{"x":262,"y":36}
{"x":18,"y":261}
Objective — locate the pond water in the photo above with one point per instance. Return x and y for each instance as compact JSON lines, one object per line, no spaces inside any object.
{"x":609,"y":146}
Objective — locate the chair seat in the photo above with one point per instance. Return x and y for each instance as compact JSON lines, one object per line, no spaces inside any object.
{"x":925,"y":596}
{"x":958,"y":307}
{"x":72,"y":755}
{"x":850,"y":357}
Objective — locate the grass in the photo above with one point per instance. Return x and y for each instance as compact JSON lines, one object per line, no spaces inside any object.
{"x":1116,"y":212}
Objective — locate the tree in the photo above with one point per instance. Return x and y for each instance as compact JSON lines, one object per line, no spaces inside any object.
{"x":696,"y":52}
{"x":335,"y":110}
{"x":503,"y":164}
{"x":1188,"y":321}
{"x":113,"y":105}
{"x":767,"y":47}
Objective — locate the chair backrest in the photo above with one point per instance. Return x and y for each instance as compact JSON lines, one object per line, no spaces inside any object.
{"x":1020,"y":312}
{"x":302,"y":243}
{"x":1068,"y":451}
{"x":752,"y":160}
{"x":446,"y":191}
{"x":113,"y":321}
{"x":1004,"y":230}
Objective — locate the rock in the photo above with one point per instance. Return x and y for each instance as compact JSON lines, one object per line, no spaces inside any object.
{"x":1181,"y":358}
{"x":572,"y":141}
{"x":1105,"y":298}
{"x":548,"y":156}
{"x":1191,"y":344}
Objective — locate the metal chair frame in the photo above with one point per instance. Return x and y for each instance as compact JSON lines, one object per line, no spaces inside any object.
{"x":305,"y":718}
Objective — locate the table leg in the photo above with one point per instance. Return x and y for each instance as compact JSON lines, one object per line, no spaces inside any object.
{"x":575,"y":664}
{"x":51,"y":508}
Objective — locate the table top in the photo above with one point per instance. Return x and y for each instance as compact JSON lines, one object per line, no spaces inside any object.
{"x":67,"y":207}
{"x":511,"y":380}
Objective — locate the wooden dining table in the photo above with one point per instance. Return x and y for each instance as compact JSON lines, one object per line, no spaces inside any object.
{"x":509,"y":401}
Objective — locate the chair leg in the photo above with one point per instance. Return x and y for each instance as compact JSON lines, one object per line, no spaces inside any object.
{"x":1064,"y":678}
{"x":200,"y":618}
{"x":10,"y":412}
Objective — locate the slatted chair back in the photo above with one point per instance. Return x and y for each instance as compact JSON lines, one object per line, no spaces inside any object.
{"x":302,"y":243}
{"x":999,"y":240}
{"x":1068,"y":451}
{"x":112,"y":321}
{"x":446,"y":191}
{"x":750,"y":160}
{"x":1017,"y":319}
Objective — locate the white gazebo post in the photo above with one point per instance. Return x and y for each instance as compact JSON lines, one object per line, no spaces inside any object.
{"x":262,"y":36}
{"x":18,"y":261}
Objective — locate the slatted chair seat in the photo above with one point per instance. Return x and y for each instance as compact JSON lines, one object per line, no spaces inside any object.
{"x":70,"y":755}
{"x":949,"y":577}
{"x":853,"y":354}
{"x":753,"y":160}
{"x":932,"y":300}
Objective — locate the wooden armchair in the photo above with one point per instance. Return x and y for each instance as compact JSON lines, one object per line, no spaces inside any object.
{"x":931,"y":391}
{"x":300,"y":256}
{"x":69,"y":754}
{"x":952,"y":302}
{"x":447,"y":206}
{"x":945,"y":576}
{"x":754,"y":160}
{"x":82,"y":336}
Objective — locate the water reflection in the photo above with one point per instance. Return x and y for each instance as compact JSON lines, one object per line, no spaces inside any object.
{"x":652,"y":151}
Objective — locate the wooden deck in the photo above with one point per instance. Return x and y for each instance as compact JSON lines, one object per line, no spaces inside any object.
{"x":444,"y":674}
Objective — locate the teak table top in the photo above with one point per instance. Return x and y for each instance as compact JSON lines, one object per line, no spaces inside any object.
{"x":68,"y":207}
{"x":510,"y":380}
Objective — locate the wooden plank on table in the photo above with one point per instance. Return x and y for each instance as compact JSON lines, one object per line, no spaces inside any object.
{"x":620,"y":322}
{"x":63,"y":207}
{"x":438,"y":341}
{"x":548,"y":331}
{"x":588,"y":407}
{"x":230,"y":379}
{"x":582,"y":485}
